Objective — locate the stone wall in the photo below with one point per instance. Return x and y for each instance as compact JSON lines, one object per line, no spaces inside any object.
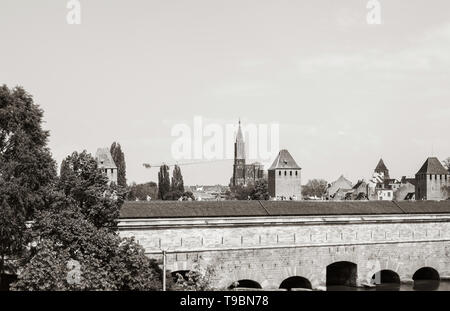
{"x":271,"y":249}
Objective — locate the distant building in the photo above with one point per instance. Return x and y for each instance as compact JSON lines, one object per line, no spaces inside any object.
{"x":432,"y":180}
{"x":338,"y":189}
{"x":244,"y":174}
{"x":285,"y":178}
{"x":382,"y":169}
{"x":106,"y":164}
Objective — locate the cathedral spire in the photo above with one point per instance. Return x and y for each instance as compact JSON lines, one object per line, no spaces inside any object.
{"x":239,"y":146}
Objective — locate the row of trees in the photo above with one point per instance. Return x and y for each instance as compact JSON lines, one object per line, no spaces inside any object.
{"x":172,"y":189}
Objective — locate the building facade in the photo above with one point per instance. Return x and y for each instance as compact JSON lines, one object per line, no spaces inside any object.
{"x":285,"y":178}
{"x":432,"y":181}
{"x":244,"y":174}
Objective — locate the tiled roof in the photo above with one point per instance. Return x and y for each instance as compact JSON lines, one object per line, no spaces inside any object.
{"x":284,"y":160}
{"x":176,"y":209}
{"x":432,"y":166}
{"x":104,"y":158}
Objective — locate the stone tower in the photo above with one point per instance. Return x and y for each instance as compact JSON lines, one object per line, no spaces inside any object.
{"x":106,"y":164}
{"x":432,"y":180}
{"x":285,"y":178}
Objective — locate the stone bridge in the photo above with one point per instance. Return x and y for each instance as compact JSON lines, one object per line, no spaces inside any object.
{"x":273,"y":245}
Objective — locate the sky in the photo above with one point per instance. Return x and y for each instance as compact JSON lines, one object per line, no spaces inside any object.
{"x":343,"y":92}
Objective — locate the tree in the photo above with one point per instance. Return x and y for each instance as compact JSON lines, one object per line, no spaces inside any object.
{"x":26,"y":165}
{"x":27,"y":169}
{"x":73,"y":254}
{"x":177,"y":180}
{"x":447,"y":163}
{"x":260,"y":190}
{"x":83,"y":183}
{"x":240,"y":192}
{"x":163,"y":182}
{"x":12,"y":237}
{"x":119,"y":159}
{"x":142,"y":192}
{"x":315,"y":188}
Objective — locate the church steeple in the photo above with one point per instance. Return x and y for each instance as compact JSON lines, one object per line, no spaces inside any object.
{"x":239,"y":146}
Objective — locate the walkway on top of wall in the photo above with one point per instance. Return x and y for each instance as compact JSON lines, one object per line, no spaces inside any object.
{"x":176,"y":209}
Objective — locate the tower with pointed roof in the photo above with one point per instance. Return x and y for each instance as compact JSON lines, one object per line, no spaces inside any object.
{"x":244,"y":174}
{"x":106,"y":164}
{"x":382,"y":169}
{"x":432,"y":181}
{"x":284,"y":178}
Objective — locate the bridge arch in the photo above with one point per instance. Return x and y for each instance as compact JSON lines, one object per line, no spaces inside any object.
{"x":384,"y":277}
{"x":342,"y":273}
{"x":295,"y":282}
{"x":245,"y":284}
{"x":426,"y":278}
{"x":182,"y":273}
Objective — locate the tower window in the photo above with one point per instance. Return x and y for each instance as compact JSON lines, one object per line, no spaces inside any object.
{"x":285,"y":173}
{"x":296,"y":173}
{"x":279,"y":173}
{"x":290,"y":173}
{"x":431,"y":177}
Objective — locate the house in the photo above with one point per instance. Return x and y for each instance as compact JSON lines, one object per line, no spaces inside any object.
{"x":338,"y":189}
{"x":106,"y":164}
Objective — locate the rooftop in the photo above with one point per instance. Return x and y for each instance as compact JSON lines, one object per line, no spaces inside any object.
{"x":432,"y":166}
{"x":195,"y":209}
{"x":284,"y":160}
{"x":104,"y":158}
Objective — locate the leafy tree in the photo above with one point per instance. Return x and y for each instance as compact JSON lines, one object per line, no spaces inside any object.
{"x":26,"y":165}
{"x":447,"y":163}
{"x":177,"y":180}
{"x":260,"y":190}
{"x":163,"y":182}
{"x":119,"y":159}
{"x":142,"y":191}
{"x":83,"y":183}
{"x":27,"y":169}
{"x":12,"y":237}
{"x":105,"y":261}
{"x":241,"y":192}
{"x":315,"y":188}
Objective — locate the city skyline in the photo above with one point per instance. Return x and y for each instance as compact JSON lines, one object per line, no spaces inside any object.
{"x":345,"y":93}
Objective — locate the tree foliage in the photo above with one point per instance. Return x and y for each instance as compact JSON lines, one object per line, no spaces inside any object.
{"x":119,"y":159}
{"x":447,"y":163}
{"x":177,"y":180}
{"x":163,"y":182}
{"x":200,"y":278}
{"x":105,"y":261}
{"x":26,"y":165}
{"x":83,"y":183}
{"x":142,"y":192}
{"x":260,"y":190}
{"x":315,"y":188}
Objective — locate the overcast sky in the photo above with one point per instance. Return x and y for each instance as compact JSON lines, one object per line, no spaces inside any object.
{"x":345,"y":93}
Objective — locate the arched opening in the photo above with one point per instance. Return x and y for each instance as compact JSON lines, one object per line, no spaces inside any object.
{"x":342,"y":273}
{"x":295,"y":282}
{"x":386,"y":280}
{"x":176,"y":275}
{"x":245,"y":284}
{"x":426,"y":278}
